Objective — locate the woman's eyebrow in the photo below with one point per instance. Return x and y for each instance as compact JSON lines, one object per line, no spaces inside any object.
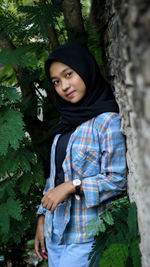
{"x":54,"y":77}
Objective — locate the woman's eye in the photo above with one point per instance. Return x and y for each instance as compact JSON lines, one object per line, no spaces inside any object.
{"x":55,"y":82}
{"x":68,"y":74}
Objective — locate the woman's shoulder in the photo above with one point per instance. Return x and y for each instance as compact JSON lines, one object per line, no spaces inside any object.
{"x":107,"y":118}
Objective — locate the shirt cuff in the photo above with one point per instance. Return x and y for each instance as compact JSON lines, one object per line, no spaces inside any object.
{"x":41,"y":210}
{"x":91,"y":191}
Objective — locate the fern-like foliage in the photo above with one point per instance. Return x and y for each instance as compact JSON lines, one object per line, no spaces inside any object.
{"x":22,"y":161}
{"x":40,"y":17}
{"x":24,"y":28}
{"x":115,"y":255}
{"x":116,"y":242}
{"x":11,"y":129}
{"x":21,"y":177}
{"x":19,"y":57}
{"x":8,"y":94}
{"x":10,"y":24}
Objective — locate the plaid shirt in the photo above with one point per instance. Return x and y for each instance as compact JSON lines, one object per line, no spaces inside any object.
{"x":96,"y":155}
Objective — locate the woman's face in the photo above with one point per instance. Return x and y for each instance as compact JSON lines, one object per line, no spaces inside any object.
{"x":68,"y":84}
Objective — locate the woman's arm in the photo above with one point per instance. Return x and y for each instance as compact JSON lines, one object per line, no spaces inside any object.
{"x":112,"y":177}
{"x":53,"y":197}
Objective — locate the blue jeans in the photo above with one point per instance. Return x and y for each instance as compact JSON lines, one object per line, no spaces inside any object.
{"x":61,"y":255}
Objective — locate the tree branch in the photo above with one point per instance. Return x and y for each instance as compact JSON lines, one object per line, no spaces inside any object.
{"x":97,"y":13}
{"x":6,"y":43}
{"x":53,"y":39}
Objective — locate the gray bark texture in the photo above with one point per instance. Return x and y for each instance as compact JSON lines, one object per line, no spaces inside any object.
{"x":73,"y":19}
{"x":125,"y":38}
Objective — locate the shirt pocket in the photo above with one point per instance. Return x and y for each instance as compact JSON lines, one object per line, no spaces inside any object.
{"x":85,"y":163}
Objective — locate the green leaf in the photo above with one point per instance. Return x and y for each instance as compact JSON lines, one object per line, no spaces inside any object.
{"x":135,"y":252}
{"x":23,"y":159}
{"x":14,"y":208}
{"x":6,"y":189}
{"x":7,"y":76}
{"x":9,"y":93}
{"x":17,"y":57}
{"x":107,"y":217}
{"x":93,"y":226}
{"x":11,"y":131}
{"x":132,"y":220}
{"x":17,"y":160}
{"x":1,"y":101}
{"x":38,"y":174}
{"x":27,"y":179}
{"x":101,"y":226}
{"x":115,"y":255}
{"x":39,"y":17}
{"x":4,"y":218}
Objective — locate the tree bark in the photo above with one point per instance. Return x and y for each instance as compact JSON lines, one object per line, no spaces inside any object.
{"x":97,"y":12}
{"x":53,"y":39}
{"x":6,"y":43}
{"x":73,"y":20}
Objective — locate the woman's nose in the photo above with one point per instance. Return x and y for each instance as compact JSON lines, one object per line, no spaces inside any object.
{"x":64,"y":84}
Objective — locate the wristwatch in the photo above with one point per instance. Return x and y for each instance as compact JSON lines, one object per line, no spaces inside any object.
{"x":77,"y":183}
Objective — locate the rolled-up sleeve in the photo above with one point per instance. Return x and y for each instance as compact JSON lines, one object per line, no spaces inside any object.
{"x":112,"y":177}
{"x":42,"y":210}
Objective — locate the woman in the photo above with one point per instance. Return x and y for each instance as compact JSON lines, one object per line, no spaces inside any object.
{"x":87,"y":158}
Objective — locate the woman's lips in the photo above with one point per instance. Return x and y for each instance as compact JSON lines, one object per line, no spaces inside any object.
{"x":71,"y":94}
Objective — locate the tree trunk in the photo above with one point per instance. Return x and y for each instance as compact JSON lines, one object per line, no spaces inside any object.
{"x":73,"y":20}
{"x":53,"y":39}
{"x":97,"y":12}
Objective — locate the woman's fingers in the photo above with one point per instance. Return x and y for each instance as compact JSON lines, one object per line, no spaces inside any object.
{"x":37,"y":250}
{"x":40,"y":249}
{"x":43,"y":249}
{"x":47,"y":204}
{"x":47,"y":201}
{"x":53,"y":207}
{"x":39,"y":243}
{"x":58,"y":194}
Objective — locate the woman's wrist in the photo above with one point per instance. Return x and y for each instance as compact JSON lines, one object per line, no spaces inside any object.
{"x":41,"y":217}
{"x":73,"y":188}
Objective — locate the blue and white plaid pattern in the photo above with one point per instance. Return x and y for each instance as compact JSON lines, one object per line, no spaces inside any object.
{"x":96,"y":155}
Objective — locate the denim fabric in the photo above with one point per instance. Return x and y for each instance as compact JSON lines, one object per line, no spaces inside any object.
{"x":61,"y":255}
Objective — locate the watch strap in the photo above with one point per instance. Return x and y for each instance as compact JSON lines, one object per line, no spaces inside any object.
{"x":77,"y":190}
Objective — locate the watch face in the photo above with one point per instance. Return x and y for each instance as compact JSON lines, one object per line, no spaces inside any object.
{"x":76,"y":182}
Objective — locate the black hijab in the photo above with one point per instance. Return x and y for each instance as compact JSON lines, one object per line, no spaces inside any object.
{"x":99,"y":97}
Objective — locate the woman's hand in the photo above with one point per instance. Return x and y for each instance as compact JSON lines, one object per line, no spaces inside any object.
{"x":53,"y":197}
{"x":39,"y":243}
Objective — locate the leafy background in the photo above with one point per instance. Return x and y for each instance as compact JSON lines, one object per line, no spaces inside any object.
{"x":29,"y":30}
